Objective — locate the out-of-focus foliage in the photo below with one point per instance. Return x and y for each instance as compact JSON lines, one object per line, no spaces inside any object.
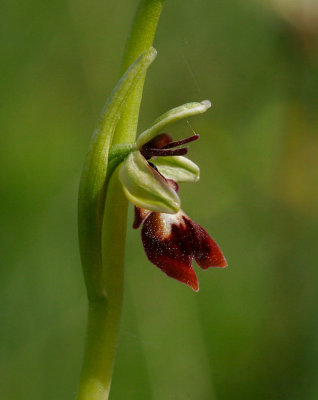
{"x":251,"y":332}
{"x":302,"y":14}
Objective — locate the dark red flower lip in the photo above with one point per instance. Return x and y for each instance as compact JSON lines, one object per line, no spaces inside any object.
{"x":172,"y":241}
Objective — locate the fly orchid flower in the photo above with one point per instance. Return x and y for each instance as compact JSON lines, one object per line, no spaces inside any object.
{"x":170,"y":238}
{"x":147,"y":172}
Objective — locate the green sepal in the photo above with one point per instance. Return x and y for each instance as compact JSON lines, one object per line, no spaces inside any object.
{"x":178,"y":168}
{"x":174,"y":115}
{"x":145,"y":187}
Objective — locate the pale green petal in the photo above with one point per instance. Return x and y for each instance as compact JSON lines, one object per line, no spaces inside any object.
{"x":145,"y":187}
{"x":178,"y":168}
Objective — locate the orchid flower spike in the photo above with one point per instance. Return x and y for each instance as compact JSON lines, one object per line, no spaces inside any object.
{"x":150,"y":176}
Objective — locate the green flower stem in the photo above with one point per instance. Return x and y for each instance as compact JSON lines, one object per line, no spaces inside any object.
{"x":104,"y":316}
{"x":102,"y":227}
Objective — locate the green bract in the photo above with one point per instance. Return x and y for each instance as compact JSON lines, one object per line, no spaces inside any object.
{"x":178,"y":168}
{"x":145,"y":188}
{"x":92,"y":192}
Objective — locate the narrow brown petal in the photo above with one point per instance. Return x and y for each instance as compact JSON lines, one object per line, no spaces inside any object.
{"x":149,"y":153}
{"x":182,"y":141}
{"x":168,"y":242}
{"x":207,"y":252}
{"x":140,"y":215}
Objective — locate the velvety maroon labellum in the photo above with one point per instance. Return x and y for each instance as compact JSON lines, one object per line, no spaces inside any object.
{"x":172,"y":241}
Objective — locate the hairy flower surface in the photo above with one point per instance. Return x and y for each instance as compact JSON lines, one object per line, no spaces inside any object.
{"x":171,"y":239}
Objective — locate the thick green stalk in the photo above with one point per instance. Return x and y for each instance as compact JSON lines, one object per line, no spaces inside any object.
{"x":103,"y":245}
{"x":104,"y":315}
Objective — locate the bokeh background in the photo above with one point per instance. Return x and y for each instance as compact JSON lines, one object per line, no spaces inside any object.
{"x":252,"y":331}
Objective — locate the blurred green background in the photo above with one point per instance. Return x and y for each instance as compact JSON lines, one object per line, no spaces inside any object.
{"x":252,"y":331}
